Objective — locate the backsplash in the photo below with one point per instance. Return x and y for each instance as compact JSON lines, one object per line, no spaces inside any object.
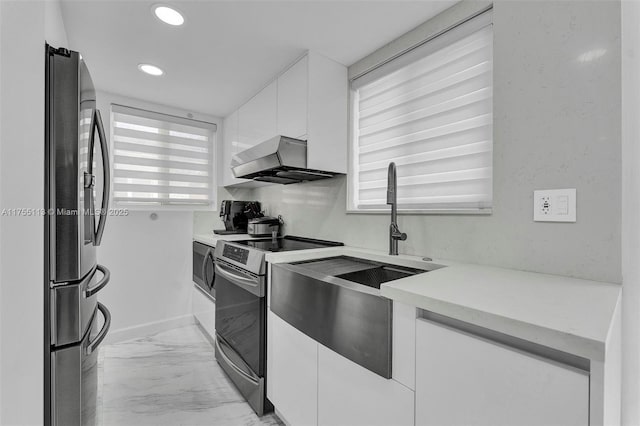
{"x":317,"y":210}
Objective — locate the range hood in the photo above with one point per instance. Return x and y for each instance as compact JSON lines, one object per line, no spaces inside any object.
{"x":278,"y":160}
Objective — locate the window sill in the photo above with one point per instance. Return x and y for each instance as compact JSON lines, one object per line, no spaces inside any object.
{"x":166,"y":208}
{"x":434,"y":212}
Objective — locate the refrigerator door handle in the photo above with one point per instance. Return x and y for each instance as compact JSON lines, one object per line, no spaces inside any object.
{"x":106,"y":173}
{"x":89,"y":178}
{"x":103,"y":282}
{"x":92,"y":346}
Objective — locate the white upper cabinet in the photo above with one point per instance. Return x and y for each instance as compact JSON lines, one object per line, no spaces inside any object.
{"x":253,"y":123}
{"x":230,"y":145}
{"x":292,"y":100}
{"x":327,"y":114}
{"x":257,"y":119}
{"x":307,"y":101}
{"x":312,"y":105}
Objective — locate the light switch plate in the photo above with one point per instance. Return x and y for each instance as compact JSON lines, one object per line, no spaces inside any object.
{"x":554,"y":205}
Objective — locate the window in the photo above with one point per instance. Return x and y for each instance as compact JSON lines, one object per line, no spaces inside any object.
{"x":161,"y":159}
{"x":430,"y":111}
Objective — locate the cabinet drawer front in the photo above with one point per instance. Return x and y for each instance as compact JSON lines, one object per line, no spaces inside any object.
{"x":349,"y":394}
{"x":292,"y":373}
{"x":464,"y":379}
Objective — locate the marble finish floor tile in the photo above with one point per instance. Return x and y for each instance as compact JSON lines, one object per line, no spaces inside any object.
{"x":170,"y":378}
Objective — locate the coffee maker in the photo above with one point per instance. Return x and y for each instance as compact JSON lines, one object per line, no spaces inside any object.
{"x":236,"y":214}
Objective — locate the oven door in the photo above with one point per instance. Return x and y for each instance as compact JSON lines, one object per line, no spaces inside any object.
{"x":204,"y":268}
{"x":241,"y":313}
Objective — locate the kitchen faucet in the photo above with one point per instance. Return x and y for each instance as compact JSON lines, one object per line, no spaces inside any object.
{"x":392,"y":198}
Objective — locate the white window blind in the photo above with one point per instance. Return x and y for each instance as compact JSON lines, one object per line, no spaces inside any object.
{"x":160,"y":159}
{"x":429,"y":111}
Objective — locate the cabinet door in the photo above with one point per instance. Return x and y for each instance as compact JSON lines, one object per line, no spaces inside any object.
{"x":257,"y":119}
{"x":464,"y":379}
{"x":292,"y":372}
{"x":292,"y":101}
{"x":204,"y":309}
{"x":349,"y":394}
{"x":230,"y":146}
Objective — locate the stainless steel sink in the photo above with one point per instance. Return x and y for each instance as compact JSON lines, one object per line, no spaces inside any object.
{"x":361,"y":271}
{"x":375,"y":276}
{"x":336,"y":301}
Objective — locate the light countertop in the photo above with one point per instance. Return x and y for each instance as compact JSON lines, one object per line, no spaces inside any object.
{"x":568,"y":314}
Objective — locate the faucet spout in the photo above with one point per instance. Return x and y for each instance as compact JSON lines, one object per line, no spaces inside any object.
{"x":392,"y":199}
{"x":392,"y":184}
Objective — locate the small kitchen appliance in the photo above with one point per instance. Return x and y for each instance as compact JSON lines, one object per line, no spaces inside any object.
{"x":241,"y":310}
{"x":203,"y":269}
{"x":264,"y":226}
{"x":236,"y":214}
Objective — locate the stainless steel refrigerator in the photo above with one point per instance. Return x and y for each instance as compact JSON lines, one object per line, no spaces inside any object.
{"x":77,"y":178}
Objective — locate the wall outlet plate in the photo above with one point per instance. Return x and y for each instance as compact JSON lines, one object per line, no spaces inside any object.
{"x":554,"y":205}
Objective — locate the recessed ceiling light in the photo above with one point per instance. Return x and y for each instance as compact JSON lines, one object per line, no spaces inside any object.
{"x":150,"y":69}
{"x":168,"y":15}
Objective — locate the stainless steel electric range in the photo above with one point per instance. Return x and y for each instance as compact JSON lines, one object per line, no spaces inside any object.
{"x":241,"y":310}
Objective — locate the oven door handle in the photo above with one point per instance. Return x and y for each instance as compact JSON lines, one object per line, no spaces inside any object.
{"x":230,"y":363}
{"x":204,"y":267}
{"x":253,"y":285}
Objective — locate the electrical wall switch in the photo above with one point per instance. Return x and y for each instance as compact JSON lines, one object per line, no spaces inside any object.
{"x":554,"y":205}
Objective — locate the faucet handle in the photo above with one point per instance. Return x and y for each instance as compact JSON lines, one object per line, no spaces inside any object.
{"x":396,"y":234}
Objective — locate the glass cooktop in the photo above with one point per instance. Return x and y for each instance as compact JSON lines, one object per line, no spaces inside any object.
{"x":288,"y":243}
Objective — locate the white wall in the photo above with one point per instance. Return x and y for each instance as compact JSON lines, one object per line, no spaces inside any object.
{"x":23,"y":29}
{"x":1,"y":118}
{"x":556,"y":125}
{"x":150,"y":264}
{"x":150,"y":260}
{"x":630,"y":213}
{"x":54,"y":30}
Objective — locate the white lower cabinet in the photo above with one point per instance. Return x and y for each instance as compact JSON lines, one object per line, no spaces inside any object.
{"x":349,"y":394}
{"x":292,"y":372}
{"x":204,"y":310}
{"x":462,"y":379}
{"x":311,"y":385}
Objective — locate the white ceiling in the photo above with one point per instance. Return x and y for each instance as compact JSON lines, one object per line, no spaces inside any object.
{"x":226,"y":50}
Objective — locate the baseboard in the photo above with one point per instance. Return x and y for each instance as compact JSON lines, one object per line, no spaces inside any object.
{"x":147,"y":329}
{"x":281,"y":417}
{"x":205,"y":333}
